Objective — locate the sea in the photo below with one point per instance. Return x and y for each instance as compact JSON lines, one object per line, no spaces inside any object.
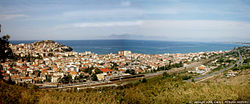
{"x":140,"y":46}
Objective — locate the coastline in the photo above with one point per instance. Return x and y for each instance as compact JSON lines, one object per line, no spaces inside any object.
{"x":140,"y":46}
{"x":58,"y":61}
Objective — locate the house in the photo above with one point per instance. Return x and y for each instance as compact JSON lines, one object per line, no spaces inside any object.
{"x":139,"y":71}
{"x":15,"y":78}
{"x":100,"y":77}
{"x":54,"y":79}
{"x":26,"y":79}
{"x":19,"y":63}
{"x":106,"y":71}
{"x":125,"y":53}
{"x":36,"y":79}
{"x":202,"y":67}
{"x":104,"y":75}
{"x":73,"y":74}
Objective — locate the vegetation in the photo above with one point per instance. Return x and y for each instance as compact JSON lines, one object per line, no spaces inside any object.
{"x":132,"y":72}
{"x":94,"y":77}
{"x":162,"y":89}
{"x":5,"y":51}
{"x":246,"y":61}
{"x":168,"y":88}
{"x":242,"y":67}
{"x":65,"y":79}
{"x":167,"y":67}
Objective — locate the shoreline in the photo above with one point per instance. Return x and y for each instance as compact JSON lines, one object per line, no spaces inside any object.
{"x":151,"y":50}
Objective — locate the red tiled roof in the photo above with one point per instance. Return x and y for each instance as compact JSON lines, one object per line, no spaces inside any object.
{"x":83,"y":67}
{"x":201,"y":68}
{"x":25,"y":66}
{"x":122,"y":70}
{"x":15,"y":76}
{"x":73,"y":73}
{"x":10,"y":69}
{"x":105,"y":70}
{"x":44,"y":70}
{"x":139,"y":71}
{"x":26,"y":78}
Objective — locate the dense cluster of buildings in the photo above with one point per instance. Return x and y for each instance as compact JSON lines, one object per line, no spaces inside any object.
{"x":53,"y":61}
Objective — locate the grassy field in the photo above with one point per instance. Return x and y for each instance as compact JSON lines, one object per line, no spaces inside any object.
{"x":242,"y":78}
{"x":167,"y":89}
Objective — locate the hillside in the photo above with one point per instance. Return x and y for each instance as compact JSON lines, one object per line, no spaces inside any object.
{"x":162,"y":89}
{"x":42,"y":48}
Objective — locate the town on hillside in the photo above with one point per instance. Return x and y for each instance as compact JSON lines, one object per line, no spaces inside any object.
{"x":50,"y":62}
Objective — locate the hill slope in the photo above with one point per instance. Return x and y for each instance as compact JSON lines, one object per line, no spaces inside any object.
{"x":166,"y":89}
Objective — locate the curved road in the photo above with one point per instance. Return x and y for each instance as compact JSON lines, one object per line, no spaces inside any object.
{"x":215,"y":73}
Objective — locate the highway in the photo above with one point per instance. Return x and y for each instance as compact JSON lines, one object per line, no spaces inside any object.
{"x":217,"y":72}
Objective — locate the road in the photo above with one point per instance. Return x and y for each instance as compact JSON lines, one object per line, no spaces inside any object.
{"x":215,"y":73}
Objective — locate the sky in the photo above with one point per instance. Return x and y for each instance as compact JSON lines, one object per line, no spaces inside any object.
{"x":171,"y":20}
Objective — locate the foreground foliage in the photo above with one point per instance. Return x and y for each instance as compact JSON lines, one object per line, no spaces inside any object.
{"x":168,"y":88}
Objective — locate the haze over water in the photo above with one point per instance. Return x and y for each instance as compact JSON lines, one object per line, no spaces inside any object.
{"x":140,"y":46}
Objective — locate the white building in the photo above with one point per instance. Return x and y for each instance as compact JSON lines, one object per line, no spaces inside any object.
{"x":125,"y":53}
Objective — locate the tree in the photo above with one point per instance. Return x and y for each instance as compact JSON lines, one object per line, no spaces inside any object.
{"x":9,"y":81}
{"x":1,"y":68}
{"x":97,"y":71}
{"x":50,"y":54}
{"x":165,"y":74}
{"x":88,"y":70}
{"x":65,"y":79}
{"x":48,"y":78}
{"x":192,"y":79}
{"x":94,"y":77}
{"x":170,"y":61}
{"x":130,"y":71}
{"x":143,"y":80}
{"x":5,"y":50}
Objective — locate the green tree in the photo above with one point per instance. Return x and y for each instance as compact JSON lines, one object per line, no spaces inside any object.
{"x":48,"y":78}
{"x":97,"y":71}
{"x":143,"y":80}
{"x":130,"y":71}
{"x":94,"y":77}
{"x":192,"y":79}
{"x":50,"y":54}
{"x":165,"y":74}
{"x":65,"y":79}
{"x":1,"y":68}
{"x":5,"y":50}
{"x":88,"y":70}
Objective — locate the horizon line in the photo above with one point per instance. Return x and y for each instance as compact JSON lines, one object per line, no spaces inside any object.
{"x":134,"y":39}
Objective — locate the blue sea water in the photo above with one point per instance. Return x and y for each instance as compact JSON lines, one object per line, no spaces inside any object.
{"x":139,"y":46}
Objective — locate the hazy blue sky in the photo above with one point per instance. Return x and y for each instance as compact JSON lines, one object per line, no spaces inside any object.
{"x":175,"y":20}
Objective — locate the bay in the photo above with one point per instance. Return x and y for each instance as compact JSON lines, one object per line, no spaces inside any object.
{"x":139,"y":46}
